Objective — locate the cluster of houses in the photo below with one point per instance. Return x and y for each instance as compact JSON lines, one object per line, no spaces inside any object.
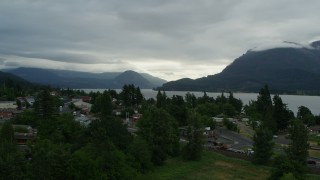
{"x":81,"y":111}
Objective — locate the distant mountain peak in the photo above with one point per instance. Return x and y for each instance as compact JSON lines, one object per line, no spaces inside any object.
{"x":315,"y":44}
{"x":132,"y":77}
{"x":288,"y":67}
{"x":76,"y":79}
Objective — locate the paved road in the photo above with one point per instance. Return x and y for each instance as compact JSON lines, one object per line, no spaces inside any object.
{"x":239,"y":141}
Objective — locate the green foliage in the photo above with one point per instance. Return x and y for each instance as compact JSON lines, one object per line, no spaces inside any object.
{"x":221,"y":99}
{"x":46,"y":106}
{"x":284,"y":167}
{"x":191,"y":100}
{"x":298,"y":147}
{"x":236,"y":103}
{"x":230,"y":125}
{"x":205,"y":99}
{"x":7,"y":133}
{"x":251,"y":108}
{"x":103,"y":104}
{"x":193,"y":149}
{"x":281,"y":114}
{"x":302,"y":112}
{"x":268,"y":120}
{"x":177,"y":108}
{"x":49,"y":160}
{"x":12,"y":87}
{"x":228,"y":110}
{"x":281,"y":166}
{"x":68,"y":129}
{"x":110,"y":128}
{"x":82,"y":161}
{"x":161,"y":100}
{"x":28,"y":117}
{"x":294,"y":161}
{"x":20,"y":129}
{"x":72,"y":106}
{"x":160,"y":131}
{"x":141,"y":154}
{"x":288,"y":176}
{"x":262,"y":146}
{"x":131,"y":96}
{"x":306,"y":116}
{"x":208,"y":109}
{"x":264,"y":100}
{"x":12,"y":163}
{"x":211,"y":166}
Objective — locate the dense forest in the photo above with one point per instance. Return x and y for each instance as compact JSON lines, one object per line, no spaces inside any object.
{"x":105,"y":149}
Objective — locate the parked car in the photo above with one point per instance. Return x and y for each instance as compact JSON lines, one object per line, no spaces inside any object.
{"x":311,"y":162}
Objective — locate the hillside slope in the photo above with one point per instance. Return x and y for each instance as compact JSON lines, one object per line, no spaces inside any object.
{"x":288,"y":70}
{"x":74,"y":79}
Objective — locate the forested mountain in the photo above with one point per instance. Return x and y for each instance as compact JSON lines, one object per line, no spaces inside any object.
{"x":12,"y":86}
{"x":286,"y":69}
{"x":7,"y":79}
{"x":74,"y":79}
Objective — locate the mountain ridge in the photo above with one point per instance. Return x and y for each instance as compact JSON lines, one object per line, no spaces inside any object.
{"x":82,"y":80}
{"x":284,"y":69}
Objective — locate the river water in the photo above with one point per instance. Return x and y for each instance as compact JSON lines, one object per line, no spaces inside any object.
{"x":292,"y":101}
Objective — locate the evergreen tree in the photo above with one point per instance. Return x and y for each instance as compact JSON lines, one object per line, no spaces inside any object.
{"x":221,"y":99}
{"x":49,"y":160}
{"x":161,"y":100}
{"x":111,"y":128}
{"x":193,"y":149}
{"x":177,"y":108}
{"x":264,"y":100}
{"x":140,"y":151}
{"x":191,"y":100}
{"x":12,"y":162}
{"x":298,"y":147}
{"x":262,"y":146}
{"x":161,"y":132}
{"x":103,"y":104}
{"x":7,"y":132}
{"x":281,"y":114}
{"x":204,"y":99}
{"x":138,"y":96}
{"x":131,"y":96}
{"x":126,"y":96}
{"x":236,"y":103}
{"x":306,"y":116}
{"x":46,"y":106}
{"x":303,"y":112}
{"x":281,"y":166}
{"x":268,"y":121}
{"x":294,"y":161}
{"x":265,"y":108}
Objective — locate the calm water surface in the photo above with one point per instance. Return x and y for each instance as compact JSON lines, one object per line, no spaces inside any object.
{"x":293,"y":101}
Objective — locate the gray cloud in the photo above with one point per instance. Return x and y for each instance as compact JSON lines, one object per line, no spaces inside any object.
{"x":12,"y":64}
{"x":121,"y":34}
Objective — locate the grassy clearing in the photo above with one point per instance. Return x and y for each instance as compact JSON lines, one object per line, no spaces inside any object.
{"x":314,"y":139}
{"x":212,"y":166}
{"x":314,"y":153}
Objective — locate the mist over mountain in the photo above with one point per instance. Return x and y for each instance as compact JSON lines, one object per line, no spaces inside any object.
{"x":284,"y":69}
{"x":74,"y":79}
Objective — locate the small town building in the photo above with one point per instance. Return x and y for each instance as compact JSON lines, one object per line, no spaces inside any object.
{"x":83,"y":106}
{"x":314,"y":129}
{"x":23,"y":134}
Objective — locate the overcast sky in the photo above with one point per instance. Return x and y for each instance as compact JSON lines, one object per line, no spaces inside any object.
{"x":170,"y":39}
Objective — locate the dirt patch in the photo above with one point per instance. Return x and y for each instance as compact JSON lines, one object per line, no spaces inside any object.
{"x":224,"y":164}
